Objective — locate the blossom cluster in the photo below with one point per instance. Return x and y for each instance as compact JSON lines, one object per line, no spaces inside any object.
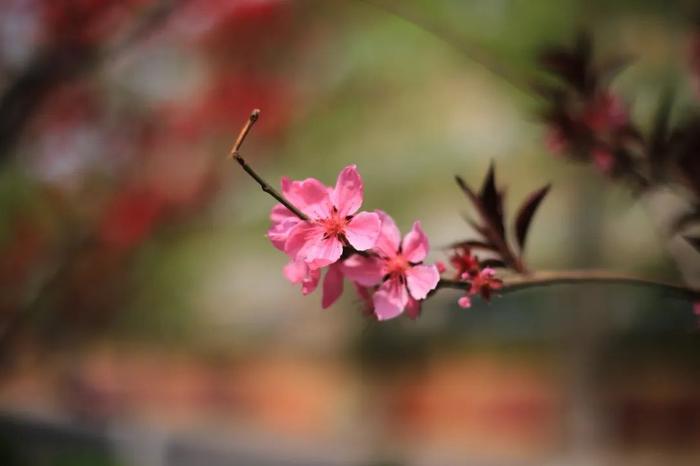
{"x":468,"y":268}
{"x":388,"y":271}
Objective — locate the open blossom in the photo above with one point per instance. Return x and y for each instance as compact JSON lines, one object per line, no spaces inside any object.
{"x":333,"y":220}
{"x":397,"y":265}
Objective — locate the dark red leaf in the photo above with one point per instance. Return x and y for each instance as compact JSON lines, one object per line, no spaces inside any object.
{"x":473,"y":244}
{"x":526,"y":213}
{"x":660,"y":138}
{"x":494,"y":263}
{"x":483,"y":231}
{"x":468,"y":191}
{"x":492,"y":201}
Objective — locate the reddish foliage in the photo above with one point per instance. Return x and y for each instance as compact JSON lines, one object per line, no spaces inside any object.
{"x":130,"y":217}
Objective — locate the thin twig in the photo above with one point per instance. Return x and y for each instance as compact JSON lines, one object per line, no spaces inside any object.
{"x":472,"y":50}
{"x":235,"y":154}
{"x":572,"y":277}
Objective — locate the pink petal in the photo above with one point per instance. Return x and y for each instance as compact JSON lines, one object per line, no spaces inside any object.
{"x":366,"y":271}
{"x":332,"y":286}
{"x":309,"y":195}
{"x":415,"y":244}
{"x":306,"y":243}
{"x":421,"y":279}
{"x":323,"y":253}
{"x":299,"y":235}
{"x":347,"y":195}
{"x":279,"y":232}
{"x":365,"y":295}
{"x":363,"y":230}
{"x":280,"y":213}
{"x":413,"y":308}
{"x":299,"y":273}
{"x":390,"y":300}
{"x":389,"y":236}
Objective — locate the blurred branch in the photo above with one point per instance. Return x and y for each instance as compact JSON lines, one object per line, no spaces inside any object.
{"x":58,"y":64}
{"x":577,"y":277}
{"x":472,"y":50}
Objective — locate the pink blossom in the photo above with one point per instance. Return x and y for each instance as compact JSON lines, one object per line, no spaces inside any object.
{"x":333,"y":220}
{"x":483,"y":282}
{"x":397,"y":265}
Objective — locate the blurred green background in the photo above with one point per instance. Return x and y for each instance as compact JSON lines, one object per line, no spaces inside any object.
{"x":146,"y":320}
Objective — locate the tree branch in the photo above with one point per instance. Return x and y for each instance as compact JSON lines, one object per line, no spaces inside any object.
{"x":235,"y":154}
{"x":573,"y":277}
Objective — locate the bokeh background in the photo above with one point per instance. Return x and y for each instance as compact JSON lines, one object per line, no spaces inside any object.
{"x":145,"y":318}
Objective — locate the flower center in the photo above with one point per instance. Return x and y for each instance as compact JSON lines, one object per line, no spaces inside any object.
{"x":334,"y":225}
{"x":397,"y":265}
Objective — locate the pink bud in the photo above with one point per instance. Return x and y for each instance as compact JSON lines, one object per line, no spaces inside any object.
{"x":440,"y":266}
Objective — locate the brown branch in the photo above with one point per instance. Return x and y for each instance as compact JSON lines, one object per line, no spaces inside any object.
{"x":235,"y":154}
{"x":573,"y":277}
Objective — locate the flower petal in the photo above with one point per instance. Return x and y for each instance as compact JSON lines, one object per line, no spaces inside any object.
{"x":363,"y":230}
{"x":389,"y":236}
{"x":299,"y":273}
{"x":279,"y":232}
{"x":347,"y":195}
{"x":332,"y":286}
{"x":413,"y":308}
{"x":280,"y":213}
{"x":421,"y":279}
{"x":299,"y":235}
{"x":307,"y":243}
{"x":415,"y":244}
{"x":365,"y":271}
{"x":390,"y":300}
{"x":323,"y":253}
{"x":309,"y":195}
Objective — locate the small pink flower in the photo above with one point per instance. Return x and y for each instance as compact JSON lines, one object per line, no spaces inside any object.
{"x":485,"y":283}
{"x":465,"y":302}
{"x":398,"y":267}
{"x":465,"y":263}
{"x":333,"y":221}
{"x":440,"y":266}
